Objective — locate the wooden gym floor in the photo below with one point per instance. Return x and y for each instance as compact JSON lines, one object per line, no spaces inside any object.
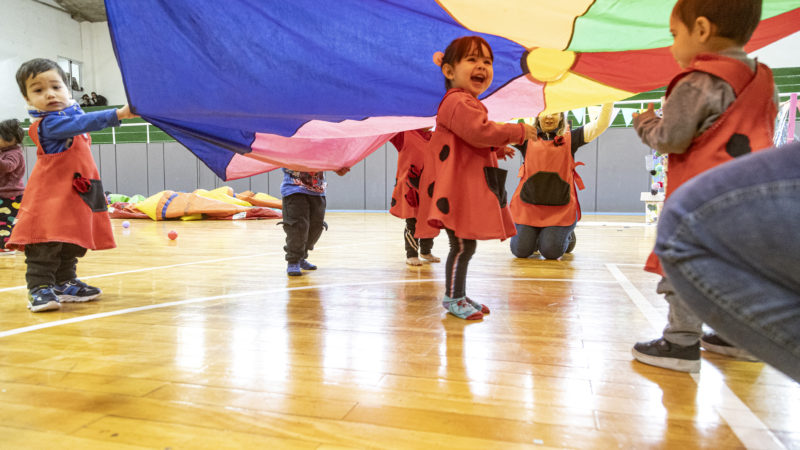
{"x":204,"y":342}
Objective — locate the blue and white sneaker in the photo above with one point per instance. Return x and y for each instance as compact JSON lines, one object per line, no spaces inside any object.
{"x":42,"y":298}
{"x":76,"y":290}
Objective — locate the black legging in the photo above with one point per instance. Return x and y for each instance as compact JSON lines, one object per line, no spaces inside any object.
{"x":461,"y":251}
{"x":415,"y":246}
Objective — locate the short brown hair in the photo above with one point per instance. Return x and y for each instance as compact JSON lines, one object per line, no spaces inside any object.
{"x":459,"y":48}
{"x":34,"y":67}
{"x":734,"y":19}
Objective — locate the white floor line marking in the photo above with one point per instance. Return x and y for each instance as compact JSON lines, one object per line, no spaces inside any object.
{"x":613,"y":224}
{"x":207,"y":261}
{"x":750,"y":430}
{"x":120,"y":312}
{"x":655,"y":318}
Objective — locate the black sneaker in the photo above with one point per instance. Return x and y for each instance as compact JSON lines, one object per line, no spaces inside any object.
{"x":305,"y":265}
{"x":42,"y":298}
{"x":76,"y":290}
{"x":572,"y":241}
{"x":713,"y":343}
{"x":662,"y":353}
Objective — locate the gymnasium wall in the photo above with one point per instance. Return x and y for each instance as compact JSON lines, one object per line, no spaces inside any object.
{"x":614,"y":174}
{"x":32,"y":30}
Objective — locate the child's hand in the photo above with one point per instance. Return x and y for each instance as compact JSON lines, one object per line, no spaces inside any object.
{"x":125,"y":113}
{"x":507,"y":152}
{"x":342,"y":171}
{"x":640,"y":117}
{"x":530,"y":133}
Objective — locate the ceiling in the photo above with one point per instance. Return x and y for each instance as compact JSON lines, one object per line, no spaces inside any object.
{"x":83,"y":10}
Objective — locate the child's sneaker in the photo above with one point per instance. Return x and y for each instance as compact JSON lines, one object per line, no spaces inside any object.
{"x":479,"y":306}
{"x":7,"y":252}
{"x":305,"y":265}
{"x":713,"y":343}
{"x":430,"y":258}
{"x":293,"y":269}
{"x":572,"y":239}
{"x":42,"y":298}
{"x":460,"y":308}
{"x":76,"y":290}
{"x":662,"y":353}
{"x":413,"y":261}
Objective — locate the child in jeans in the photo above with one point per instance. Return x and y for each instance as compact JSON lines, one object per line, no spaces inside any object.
{"x":303,"y":215}
{"x":12,"y":170}
{"x":64,"y":210}
{"x":722,"y":105}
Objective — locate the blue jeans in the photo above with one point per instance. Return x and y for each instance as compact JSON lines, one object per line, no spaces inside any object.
{"x":729,"y":244}
{"x":550,"y":241}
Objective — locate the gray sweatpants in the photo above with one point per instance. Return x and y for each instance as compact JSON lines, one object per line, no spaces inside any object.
{"x":683,"y":326}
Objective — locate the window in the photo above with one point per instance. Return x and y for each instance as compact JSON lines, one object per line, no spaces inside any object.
{"x":73,"y":70}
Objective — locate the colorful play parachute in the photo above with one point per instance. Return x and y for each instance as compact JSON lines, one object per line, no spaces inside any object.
{"x":251,"y":85}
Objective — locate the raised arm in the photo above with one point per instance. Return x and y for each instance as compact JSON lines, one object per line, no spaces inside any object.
{"x":595,"y":128}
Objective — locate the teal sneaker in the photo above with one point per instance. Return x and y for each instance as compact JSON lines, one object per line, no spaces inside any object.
{"x":461,"y":308}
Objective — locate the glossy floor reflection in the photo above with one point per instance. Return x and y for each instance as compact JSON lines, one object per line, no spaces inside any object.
{"x":204,"y":342}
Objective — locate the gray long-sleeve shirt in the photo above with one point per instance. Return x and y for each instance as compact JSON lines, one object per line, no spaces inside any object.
{"x":694,"y":104}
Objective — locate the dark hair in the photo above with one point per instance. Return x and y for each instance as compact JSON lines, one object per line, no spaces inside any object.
{"x":734,"y":19}
{"x":460,"y":48}
{"x":34,"y":67}
{"x":10,"y":131}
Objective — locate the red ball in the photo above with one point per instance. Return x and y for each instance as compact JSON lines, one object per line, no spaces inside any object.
{"x":172,"y":235}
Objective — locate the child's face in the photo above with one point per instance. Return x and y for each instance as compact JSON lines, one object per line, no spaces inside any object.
{"x":47,"y":91}
{"x":549,"y":122}
{"x":473,"y":73}
{"x":686,"y":44}
{"x":4,"y":143}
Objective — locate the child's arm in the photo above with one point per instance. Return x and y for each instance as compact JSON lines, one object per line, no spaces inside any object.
{"x":57,"y":127}
{"x":342,"y":171}
{"x":464,"y":116}
{"x":688,"y":107}
{"x":599,"y":125}
{"x":65,"y":127}
{"x":10,"y":160}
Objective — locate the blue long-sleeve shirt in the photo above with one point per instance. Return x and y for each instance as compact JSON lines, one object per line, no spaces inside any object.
{"x":56,"y":131}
